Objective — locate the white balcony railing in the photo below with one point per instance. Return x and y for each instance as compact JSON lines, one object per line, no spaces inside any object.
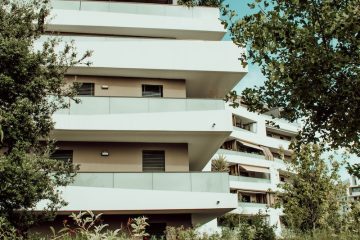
{"x":243,"y":154}
{"x":249,"y":179}
{"x":118,"y":105}
{"x":167,"y":181}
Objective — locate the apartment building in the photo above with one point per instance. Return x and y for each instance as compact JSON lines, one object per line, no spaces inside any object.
{"x":254,"y":152}
{"x":354,"y":189}
{"x":151,"y":114}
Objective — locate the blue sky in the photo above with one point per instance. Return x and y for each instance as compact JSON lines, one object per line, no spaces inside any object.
{"x":254,"y":76}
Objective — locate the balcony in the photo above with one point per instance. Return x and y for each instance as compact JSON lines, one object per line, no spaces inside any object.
{"x":244,"y":124}
{"x":249,"y":179}
{"x":202,"y":124}
{"x":252,"y":205}
{"x":149,"y":193}
{"x":242,"y":154}
{"x":136,"y":19}
{"x":168,"y":181}
{"x":119,"y":105}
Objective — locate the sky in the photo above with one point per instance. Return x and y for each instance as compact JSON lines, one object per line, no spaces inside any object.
{"x":254,"y":76}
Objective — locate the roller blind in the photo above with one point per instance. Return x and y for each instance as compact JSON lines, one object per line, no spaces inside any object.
{"x":153,"y":161}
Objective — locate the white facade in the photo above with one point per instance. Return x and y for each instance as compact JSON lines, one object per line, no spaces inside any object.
{"x":354,"y":189}
{"x":253,"y":130}
{"x":179,"y":49}
{"x":167,"y":44}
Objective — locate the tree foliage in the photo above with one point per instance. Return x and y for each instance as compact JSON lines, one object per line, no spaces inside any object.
{"x":219,"y":164}
{"x":309,"y":51}
{"x":249,"y":228}
{"x":32,"y":88}
{"x":312,"y":197}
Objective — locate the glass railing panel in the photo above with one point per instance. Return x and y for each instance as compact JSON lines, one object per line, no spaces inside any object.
{"x":248,"y":179}
{"x":248,"y":204}
{"x":137,"y":8}
{"x":133,"y":180}
{"x":128,"y":105}
{"x":117,"y":105}
{"x":204,"y":104}
{"x":195,"y":182}
{"x":244,"y":154}
{"x":211,"y":182}
{"x":172,"y":181}
{"x":94,"y":180}
{"x":166,"y":105}
{"x":66,"y":5}
{"x":90,"y":105}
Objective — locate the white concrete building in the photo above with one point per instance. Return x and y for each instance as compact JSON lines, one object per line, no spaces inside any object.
{"x":354,"y":189}
{"x":152,"y":117}
{"x":151,"y":114}
{"x":254,"y":151}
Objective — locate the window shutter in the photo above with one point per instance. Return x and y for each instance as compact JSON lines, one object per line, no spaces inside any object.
{"x":153,"y":161}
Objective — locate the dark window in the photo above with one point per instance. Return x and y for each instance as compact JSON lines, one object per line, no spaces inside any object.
{"x":63,"y":155}
{"x":152,"y":90}
{"x":156,"y":230}
{"x":86,"y":89}
{"x":244,"y":174}
{"x":245,"y":198}
{"x":153,"y":161}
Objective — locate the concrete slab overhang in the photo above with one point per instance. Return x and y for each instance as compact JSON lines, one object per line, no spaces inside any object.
{"x":203,"y":131}
{"x":129,"y":201}
{"x":143,"y":20}
{"x":210,"y":68}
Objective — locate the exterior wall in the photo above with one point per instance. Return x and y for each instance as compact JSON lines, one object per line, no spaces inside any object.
{"x":125,"y":157}
{"x":276,"y":166}
{"x":137,"y":44}
{"x":353,"y":190}
{"x":131,"y":87}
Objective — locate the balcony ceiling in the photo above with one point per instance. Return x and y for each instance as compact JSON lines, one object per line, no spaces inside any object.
{"x":194,"y":128}
{"x":128,"y":201}
{"x":210,"y":68}
{"x":139,"y":25}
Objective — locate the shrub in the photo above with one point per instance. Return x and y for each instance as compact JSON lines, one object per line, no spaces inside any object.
{"x":254,"y":228}
{"x":219,"y":164}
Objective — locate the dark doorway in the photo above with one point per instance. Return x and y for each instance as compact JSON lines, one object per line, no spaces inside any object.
{"x":156,"y":229}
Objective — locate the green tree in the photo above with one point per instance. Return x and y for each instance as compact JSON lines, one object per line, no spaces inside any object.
{"x":32,"y":88}
{"x":219,"y":164}
{"x":352,"y":218}
{"x":312,"y":197}
{"x":309,"y":51}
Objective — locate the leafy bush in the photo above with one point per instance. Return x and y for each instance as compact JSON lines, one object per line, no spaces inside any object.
{"x":7,"y":232}
{"x":321,"y":235}
{"x":254,"y":228}
{"x":88,"y":226}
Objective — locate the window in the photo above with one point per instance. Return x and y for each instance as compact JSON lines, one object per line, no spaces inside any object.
{"x":63,"y":155}
{"x":153,"y":161}
{"x":245,"y":198}
{"x":152,"y":90}
{"x":86,"y":89}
